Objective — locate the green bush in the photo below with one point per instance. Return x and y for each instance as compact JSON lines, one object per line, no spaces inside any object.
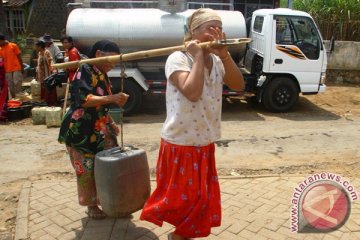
{"x":338,"y":18}
{"x":21,"y":41}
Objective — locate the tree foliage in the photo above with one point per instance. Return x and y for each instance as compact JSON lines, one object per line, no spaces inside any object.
{"x":338,"y":18}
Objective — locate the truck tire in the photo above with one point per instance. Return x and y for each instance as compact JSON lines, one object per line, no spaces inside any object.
{"x":133,"y":104}
{"x":280,"y":95}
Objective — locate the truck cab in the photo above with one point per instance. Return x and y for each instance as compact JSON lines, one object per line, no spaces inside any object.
{"x":286,"y":57}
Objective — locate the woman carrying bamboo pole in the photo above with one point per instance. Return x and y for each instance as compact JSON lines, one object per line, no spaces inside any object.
{"x":187,"y":193}
{"x":87,"y":127}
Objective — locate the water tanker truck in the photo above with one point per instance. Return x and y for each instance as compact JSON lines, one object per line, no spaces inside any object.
{"x":286,"y":56}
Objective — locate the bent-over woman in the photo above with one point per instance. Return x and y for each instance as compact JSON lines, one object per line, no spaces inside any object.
{"x":87,"y":127}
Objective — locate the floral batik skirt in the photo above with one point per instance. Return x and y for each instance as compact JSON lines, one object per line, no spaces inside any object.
{"x":187,"y":193}
{"x":84,"y":168}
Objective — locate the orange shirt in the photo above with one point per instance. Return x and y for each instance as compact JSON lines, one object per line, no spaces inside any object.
{"x":9,"y":53}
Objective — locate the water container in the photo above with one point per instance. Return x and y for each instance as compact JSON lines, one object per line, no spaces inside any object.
{"x":53,"y":117}
{"x":35,"y":88}
{"x":116,"y":114}
{"x":38,"y":115}
{"x":122,"y":180}
{"x":26,"y":107}
{"x":14,"y":114}
{"x":23,"y":96}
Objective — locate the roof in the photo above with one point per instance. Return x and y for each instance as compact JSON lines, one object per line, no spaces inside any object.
{"x":14,"y":3}
{"x":282,"y":11}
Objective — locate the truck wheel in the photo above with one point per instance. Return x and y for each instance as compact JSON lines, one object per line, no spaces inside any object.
{"x":133,"y":103}
{"x":280,"y":95}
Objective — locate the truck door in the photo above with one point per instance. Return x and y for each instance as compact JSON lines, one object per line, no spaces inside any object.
{"x":298,"y":50}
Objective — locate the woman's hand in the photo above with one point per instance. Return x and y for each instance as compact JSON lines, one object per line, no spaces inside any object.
{"x":193,"y":48}
{"x":119,"y":98}
{"x":218,"y":34}
{"x":95,"y":101}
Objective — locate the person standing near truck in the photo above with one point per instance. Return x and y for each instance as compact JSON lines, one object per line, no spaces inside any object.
{"x":44,"y":70}
{"x":188,"y":193}
{"x":71,"y":54}
{"x":11,"y":55}
{"x":87,"y":127}
{"x":55,"y":51}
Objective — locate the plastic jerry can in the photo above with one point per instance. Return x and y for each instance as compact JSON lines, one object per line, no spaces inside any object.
{"x":122,"y":180}
{"x":38,"y":115}
{"x":35,"y":88}
{"x":53,"y":117}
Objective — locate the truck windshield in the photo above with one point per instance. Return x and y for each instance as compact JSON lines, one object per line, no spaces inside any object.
{"x":299,"y":31}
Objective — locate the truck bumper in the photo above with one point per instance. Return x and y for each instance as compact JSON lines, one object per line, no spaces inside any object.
{"x":322,"y":88}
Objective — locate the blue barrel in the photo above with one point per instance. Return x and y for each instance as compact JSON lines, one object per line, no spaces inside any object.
{"x":122,"y":180}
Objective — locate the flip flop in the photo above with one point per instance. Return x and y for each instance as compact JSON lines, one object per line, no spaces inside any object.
{"x":170,"y":237}
{"x":95,"y":213}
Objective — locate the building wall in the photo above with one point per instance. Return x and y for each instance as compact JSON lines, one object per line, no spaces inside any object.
{"x":344,"y":56}
{"x":248,"y":6}
{"x":48,"y":16}
{"x":344,"y":62}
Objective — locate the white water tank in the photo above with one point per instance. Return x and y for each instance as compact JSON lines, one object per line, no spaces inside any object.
{"x":140,"y":29}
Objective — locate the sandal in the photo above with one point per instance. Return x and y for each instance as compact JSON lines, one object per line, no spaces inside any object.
{"x":95,"y":212}
{"x":170,"y":237}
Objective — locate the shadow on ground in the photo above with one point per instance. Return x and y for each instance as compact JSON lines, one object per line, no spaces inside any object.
{"x":112,"y":228}
{"x":235,"y":109}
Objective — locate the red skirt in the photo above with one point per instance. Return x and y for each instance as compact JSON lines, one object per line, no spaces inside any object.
{"x":187,"y":193}
{"x":3,"y":96}
{"x":49,"y":96}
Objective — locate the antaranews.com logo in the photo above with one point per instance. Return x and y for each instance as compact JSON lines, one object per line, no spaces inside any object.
{"x":321,"y":203}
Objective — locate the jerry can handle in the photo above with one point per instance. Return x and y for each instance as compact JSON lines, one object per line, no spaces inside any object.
{"x":124,"y":149}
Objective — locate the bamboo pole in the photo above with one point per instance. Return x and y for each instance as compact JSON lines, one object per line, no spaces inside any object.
{"x":149,"y":53}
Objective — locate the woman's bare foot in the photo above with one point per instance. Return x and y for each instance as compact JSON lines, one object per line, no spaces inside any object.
{"x":95,"y":212}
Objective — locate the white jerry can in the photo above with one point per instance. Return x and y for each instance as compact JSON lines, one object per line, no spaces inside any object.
{"x":38,"y":115}
{"x":35,"y":88}
{"x":53,"y":117}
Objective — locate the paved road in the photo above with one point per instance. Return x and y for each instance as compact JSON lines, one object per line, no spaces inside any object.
{"x":253,"y":208}
{"x":267,"y":144}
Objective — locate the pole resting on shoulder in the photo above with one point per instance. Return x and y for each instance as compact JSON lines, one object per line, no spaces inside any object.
{"x":150,"y":53}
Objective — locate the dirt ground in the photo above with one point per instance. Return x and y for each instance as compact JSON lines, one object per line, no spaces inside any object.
{"x":320,"y":134}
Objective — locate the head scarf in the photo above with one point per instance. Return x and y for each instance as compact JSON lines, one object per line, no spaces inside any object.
{"x":104,"y":46}
{"x":199,"y":17}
